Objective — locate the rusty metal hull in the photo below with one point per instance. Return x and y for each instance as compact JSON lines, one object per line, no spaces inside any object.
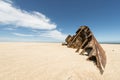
{"x":85,"y":40}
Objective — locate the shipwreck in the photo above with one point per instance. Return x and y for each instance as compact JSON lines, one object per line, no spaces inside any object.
{"x":85,"y":40}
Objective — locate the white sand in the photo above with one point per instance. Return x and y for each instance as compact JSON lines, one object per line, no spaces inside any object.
{"x":51,"y":61}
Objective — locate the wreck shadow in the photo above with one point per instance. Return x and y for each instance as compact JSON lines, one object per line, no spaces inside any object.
{"x":91,"y":57}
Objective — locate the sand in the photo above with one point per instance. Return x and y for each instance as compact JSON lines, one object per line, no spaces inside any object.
{"x":51,"y":61}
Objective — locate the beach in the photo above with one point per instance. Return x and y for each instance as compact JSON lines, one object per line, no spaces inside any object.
{"x":52,"y":61}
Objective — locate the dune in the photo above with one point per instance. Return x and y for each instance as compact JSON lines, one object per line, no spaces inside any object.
{"x":51,"y":61}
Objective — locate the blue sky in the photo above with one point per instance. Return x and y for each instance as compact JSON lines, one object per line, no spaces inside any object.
{"x":53,"y":20}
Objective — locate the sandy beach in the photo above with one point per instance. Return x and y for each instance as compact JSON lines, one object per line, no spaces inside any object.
{"x":51,"y":61}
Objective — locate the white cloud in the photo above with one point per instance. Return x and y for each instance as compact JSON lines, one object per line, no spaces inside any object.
{"x":23,"y":35}
{"x":9,"y":28}
{"x":54,"y":34}
{"x":38,"y":22}
{"x":15,"y":16}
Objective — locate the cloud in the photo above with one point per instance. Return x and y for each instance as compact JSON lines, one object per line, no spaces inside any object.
{"x":9,"y":28}
{"x":23,"y":35}
{"x":40,"y":25}
{"x":11,"y":15}
{"x":54,"y":34}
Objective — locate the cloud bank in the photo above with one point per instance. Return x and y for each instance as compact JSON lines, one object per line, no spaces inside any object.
{"x":54,"y":34}
{"x":24,"y":35}
{"x":11,"y":15}
{"x":21,"y":18}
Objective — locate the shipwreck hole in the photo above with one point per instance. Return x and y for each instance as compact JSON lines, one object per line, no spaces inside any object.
{"x":93,"y":58}
{"x":88,"y":50}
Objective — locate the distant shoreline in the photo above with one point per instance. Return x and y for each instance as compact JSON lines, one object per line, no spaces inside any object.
{"x":51,"y":42}
{"x":109,"y":42}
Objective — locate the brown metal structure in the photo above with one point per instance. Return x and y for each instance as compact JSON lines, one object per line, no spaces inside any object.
{"x":85,"y":40}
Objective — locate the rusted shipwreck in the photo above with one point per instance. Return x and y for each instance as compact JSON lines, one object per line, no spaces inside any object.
{"x":85,"y":40}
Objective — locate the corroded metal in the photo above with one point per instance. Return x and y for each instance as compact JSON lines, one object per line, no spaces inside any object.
{"x":85,"y":40}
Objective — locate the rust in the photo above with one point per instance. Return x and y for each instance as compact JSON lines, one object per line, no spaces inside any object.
{"x":85,"y":40}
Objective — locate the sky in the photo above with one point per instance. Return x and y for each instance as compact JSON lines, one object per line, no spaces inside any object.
{"x":53,"y":20}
